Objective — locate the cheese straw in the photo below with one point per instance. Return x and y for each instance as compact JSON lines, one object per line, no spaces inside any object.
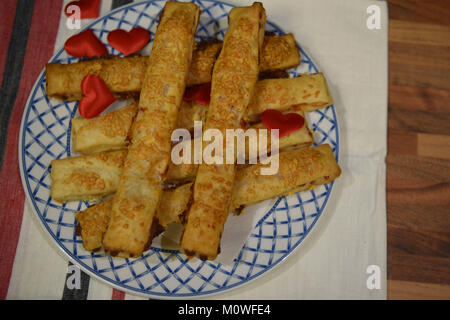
{"x":86,"y":178}
{"x":124,"y":76}
{"x":70,"y":188}
{"x":179,"y":173}
{"x":309,"y":92}
{"x":234,"y":78}
{"x":140,"y":185}
{"x":106,"y":132}
{"x":92,"y":224}
{"x":97,"y":136}
{"x":300,"y":169}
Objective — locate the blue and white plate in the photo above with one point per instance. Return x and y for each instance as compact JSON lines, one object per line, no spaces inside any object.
{"x":159,"y":272}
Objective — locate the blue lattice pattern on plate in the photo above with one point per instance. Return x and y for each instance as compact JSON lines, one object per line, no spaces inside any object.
{"x":45,"y":136}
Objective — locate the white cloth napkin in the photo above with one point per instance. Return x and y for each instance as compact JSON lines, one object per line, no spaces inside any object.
{"x":350,"y":238}
{"x":333,"y":261}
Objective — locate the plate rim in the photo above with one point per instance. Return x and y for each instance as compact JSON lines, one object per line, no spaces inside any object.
{"x":123,"y":287}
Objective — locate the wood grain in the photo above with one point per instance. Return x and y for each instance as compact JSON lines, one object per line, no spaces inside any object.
{"x":418,"y":98}
{"x":433,"y":145}
{"x":419,"y":121}
{"x":401,"y":290}
{"x":422,"y":34}
{"x":420,"y":11}
{"x":407,"y":265}
{"x":421,"y":144}
{"x":418,"y":160}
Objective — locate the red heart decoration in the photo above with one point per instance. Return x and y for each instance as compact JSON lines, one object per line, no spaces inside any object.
{"x":97,"y":96}
{"x":85,"y":44}
{"x":286,"y":123}
{"x":201,"y":94}
{"x":129,"y":42}
{"x":88,"y":8}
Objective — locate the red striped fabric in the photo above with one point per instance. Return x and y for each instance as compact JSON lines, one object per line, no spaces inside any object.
{"x":41,"y":40}
{"x":117,"y":295}
{"x":7,"y":20}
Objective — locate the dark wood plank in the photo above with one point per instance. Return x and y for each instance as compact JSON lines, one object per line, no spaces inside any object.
{"x":418,"y":160}
{"x":418,"y":217}
{"x":421,"y":144}
{"x":418,"y":75}
{"x":418,"y":241}
{"x":407,"y":266}
{"x":418,"y":168}
{"x":419,"y":121}
{"x":402,"y":142}
{"x":419,"y":98}
{"x":421,"y":11}
{"x":419,"y":33}
{"x":407,"y":290}
{"x":415,"y":63}
{"x":437,"y":194}
{"x":419,"y":54}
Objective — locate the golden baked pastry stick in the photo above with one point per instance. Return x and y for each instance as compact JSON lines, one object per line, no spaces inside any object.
{"x":279,"y":53}
{"x":203,"y":59}
{"x":86,"y":178}
{"x":69,"y":188}
{"x":140,"y":185}
{"x":184,"y":172}
{"x":308,"y":92}
{"x":300,"y":169}
{"x":234,"y":78}
{"x":189,"y":112}
{"x":103,"y":133}
{"x":92,"y":224}
{"x":93,"y":221}
{"x":111,"y":131}
{"x":124,"y":76}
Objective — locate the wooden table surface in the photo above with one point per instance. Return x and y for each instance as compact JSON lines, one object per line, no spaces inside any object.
{"x":418,"y":159}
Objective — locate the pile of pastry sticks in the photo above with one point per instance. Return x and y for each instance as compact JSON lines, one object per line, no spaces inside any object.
{"x":125,"y":154}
